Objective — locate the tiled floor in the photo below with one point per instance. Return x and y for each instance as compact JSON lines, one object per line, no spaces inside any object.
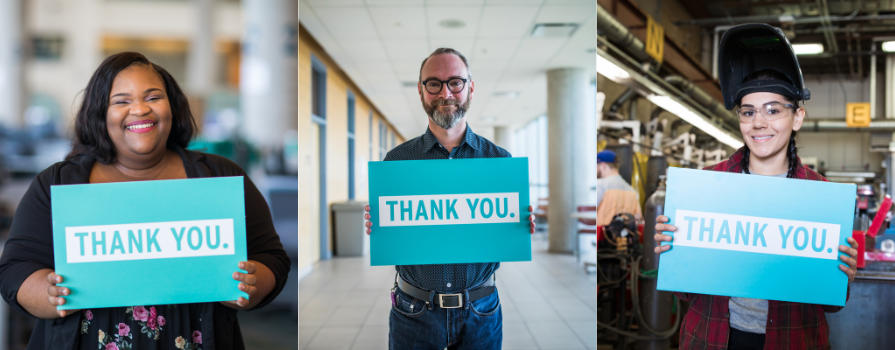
{"x":548,"y":303}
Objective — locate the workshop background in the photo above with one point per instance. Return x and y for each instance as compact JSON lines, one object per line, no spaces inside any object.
{"x":846,"y":50}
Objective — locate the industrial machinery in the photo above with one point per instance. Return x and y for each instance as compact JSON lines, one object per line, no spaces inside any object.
{"x":627,"y":269}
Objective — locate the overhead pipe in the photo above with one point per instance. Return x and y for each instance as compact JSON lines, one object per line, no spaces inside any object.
{"x":819,"y":125}
{"x":624,"y":97}
{"x":781,"y":19}
{"x":700,"y":96}
{"x":873,"y":81}
{"x":620,"y":35}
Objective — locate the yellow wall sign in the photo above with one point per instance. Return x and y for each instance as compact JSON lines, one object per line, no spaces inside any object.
{"x":857,"y":115}
{"x":655,"y":39}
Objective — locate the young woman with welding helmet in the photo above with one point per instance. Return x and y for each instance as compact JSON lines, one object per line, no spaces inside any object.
{"x":760,"y":76}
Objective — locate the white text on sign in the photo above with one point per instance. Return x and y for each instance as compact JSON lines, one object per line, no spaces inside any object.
{"x":153,"y":240}
{"x":756,"y":234}
{"x":448,"y":209}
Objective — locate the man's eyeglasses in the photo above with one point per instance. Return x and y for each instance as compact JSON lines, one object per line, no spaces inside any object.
{"x":434,"y":86}
{"x":770,"y":111}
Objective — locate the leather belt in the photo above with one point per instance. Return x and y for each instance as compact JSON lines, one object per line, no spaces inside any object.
{"x":449,"y":300}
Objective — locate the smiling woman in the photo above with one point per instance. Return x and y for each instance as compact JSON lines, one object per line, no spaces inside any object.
{"x":134,"y":124}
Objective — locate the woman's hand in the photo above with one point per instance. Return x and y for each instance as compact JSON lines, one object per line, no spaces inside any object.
{"x":55,"y":294}
{"x":368,"y":224}
{"x":531,"y":219}
{"x":661,"y":226}
{"x":851,"y":259}
{"x":258,"y":282}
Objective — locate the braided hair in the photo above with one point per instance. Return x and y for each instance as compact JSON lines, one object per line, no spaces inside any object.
{"x":792,"y":150}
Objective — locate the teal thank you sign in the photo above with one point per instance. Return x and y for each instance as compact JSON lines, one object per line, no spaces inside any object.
{"x":756,"y":236}
{"x":149,"y":242}
{"x":449,"y":211}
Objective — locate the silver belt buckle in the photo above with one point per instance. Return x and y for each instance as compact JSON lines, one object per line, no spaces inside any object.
{"x":459,"y":300}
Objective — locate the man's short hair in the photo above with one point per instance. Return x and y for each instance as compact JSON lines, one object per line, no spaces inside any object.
{"x":444,"y":50}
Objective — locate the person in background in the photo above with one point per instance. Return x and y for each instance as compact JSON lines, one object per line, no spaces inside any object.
{"x":614,"y":195}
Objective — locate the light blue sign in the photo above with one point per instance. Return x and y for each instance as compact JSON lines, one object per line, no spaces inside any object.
{"x":756,"y":236}
{"x":449,"y":211}
{"x":149,"y":242}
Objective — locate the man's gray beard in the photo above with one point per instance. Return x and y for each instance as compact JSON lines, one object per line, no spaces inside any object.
{"x":446,"y":120}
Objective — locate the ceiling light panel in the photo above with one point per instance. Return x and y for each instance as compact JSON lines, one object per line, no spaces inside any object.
{"x":807,"y":49}
{"x":553,"y":30}
{"x":889,"y":46}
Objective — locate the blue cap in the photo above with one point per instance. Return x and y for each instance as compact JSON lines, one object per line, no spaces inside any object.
{"x":606,"y":157}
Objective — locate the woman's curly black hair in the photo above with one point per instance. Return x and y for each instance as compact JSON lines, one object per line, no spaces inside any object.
{"x":792,"y":150}
{"x":92,"y":136}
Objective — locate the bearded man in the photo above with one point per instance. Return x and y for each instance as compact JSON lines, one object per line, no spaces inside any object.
{"x":453,"y":306}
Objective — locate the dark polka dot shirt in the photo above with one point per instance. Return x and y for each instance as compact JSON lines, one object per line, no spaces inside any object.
{"x":446,"y":278}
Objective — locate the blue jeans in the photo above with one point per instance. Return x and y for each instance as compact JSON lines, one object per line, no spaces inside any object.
{"x":412,"y":326}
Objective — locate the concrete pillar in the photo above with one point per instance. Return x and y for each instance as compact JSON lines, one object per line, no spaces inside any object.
{"x":503,"y":137}
{"x":83,"y":52}
{"x":201,"y":60}
{"x":890,"y":87}
{"x":12,"y":92}
{"x":568,"y":123}
{"x":267,"y":84}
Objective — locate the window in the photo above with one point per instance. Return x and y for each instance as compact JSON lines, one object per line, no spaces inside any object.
{"x":370,"y":126}
{"x":383,"y":134}
{"x":531,"y":142}
{"x":47,"y":48}
{"x":318,"y":116}
{"x":350,"y":145}
{"x":318,"y":91}
{"x":393,"y":140}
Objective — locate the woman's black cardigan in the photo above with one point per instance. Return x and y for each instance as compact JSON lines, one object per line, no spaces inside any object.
{"x":30,"y":248}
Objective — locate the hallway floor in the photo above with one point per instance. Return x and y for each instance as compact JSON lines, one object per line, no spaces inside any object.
{"x":548,"y":303}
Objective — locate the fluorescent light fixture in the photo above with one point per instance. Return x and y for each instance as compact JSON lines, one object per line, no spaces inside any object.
{"x":507,"y":94}
{"x":694,"y":119}
{"x":452,"y":23}
{"x":889,"y":46}
{"x":807,"y":49}
{"x":553,"y":30}
{"x":850,"y":174}
{"x":610,"y":70}
{"x":846,"y":180}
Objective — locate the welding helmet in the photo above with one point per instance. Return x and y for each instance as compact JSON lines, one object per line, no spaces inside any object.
{"x":749,"y":48}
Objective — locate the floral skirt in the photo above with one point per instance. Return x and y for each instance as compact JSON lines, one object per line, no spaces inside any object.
{"x":142,"y":327}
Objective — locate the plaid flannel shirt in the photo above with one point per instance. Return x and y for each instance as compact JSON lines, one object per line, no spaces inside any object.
{"x":792,"y":326}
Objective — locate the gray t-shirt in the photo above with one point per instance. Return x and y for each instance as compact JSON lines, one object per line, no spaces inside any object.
{"x":748,"y":314}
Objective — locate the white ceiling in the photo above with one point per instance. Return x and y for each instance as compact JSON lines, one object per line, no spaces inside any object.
{"x":381,"y":43}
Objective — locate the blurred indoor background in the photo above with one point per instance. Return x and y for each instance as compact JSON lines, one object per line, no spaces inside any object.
{"x":235,"y":59}
{"x":533,"y":63}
